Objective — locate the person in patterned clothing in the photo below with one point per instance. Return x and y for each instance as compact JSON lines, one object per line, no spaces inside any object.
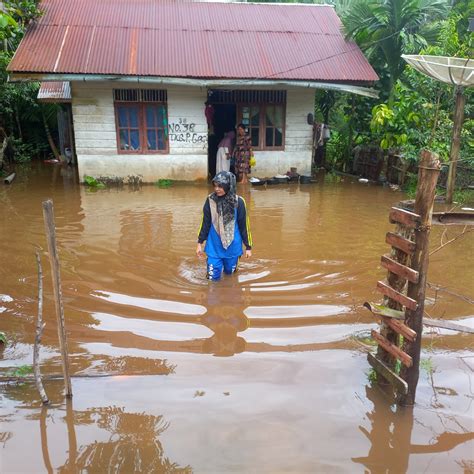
{"x":242,"y":154}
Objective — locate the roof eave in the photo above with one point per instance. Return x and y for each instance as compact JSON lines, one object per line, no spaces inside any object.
{"x":353,"y":87}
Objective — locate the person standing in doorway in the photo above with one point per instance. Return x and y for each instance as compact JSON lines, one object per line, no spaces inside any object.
{"x":225,"y":227}
{"x":242,"y":153}
{"x":224,"y":152}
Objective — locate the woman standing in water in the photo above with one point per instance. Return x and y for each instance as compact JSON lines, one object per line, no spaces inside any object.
{"x":225,"y":227}
{"x":224,"y":152}
{"x":242,"y":153}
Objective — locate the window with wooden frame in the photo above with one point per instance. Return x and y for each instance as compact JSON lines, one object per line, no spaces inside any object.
{"x":141,"y":119}
{"x":263,"y":113}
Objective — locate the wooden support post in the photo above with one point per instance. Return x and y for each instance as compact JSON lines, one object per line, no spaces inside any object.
{"x":427,"y":178}
{"x":48,"y":214}
{"x":456,"y":143}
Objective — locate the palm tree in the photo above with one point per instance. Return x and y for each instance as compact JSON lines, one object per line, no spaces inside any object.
{"x":386,"y":29}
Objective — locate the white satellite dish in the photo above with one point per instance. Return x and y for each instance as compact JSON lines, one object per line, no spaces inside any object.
{"x":455,"y":71}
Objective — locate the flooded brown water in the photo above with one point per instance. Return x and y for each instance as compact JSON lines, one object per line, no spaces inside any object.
{"x":264,"y":371}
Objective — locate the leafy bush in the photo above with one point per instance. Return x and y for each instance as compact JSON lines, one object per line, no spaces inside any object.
{"x":92,"y":182}
{"x":25,"y":152}
{"x":410,"y":186}
{"x":164,"y":183}
{"x":21,"y":371}
{"x":335,"y":150}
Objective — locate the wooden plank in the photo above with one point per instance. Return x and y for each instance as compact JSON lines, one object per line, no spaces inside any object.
{"x":439,"y":323}
{"x":400,"y":243}
{"x":400,"y":328}
{"x":402,"y":216}
{"x":393,"y":321}
{"x":453,"y":218}
{"x":399,"y":269}
{"x":381,"y":310}
{"x":392,"y":349}
{"x":396,"y":381}
{"x":396,"y":296}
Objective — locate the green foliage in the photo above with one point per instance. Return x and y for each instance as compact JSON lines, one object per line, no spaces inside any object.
{"x":14,"y":18}
{"x":20,"y":114}
{"x":464,"y":196}
{"x":21,"y":371}
{"x":93,"y":182}
{"x":164,"y":183}
{"x":427,"y":365}
{"x":387,"y":29}
{"x":410,"y":186}
{"x":372,"y":376}
{"x":420,"y":114}
{"x":336,"y":149}
{"x":332,"y":178}
{"x":25,"y":152}
{"x":3,"y":338}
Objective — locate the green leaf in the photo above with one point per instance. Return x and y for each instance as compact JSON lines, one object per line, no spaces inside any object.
{"x":22,"y":371}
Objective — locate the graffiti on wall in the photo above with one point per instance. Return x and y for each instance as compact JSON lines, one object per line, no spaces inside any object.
{"x":183,"y":132}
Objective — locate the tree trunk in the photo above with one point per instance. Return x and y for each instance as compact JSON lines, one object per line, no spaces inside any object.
{"x":2,"y":152}
{"x":456,"y":143}
{"x":50,"y":138}
{"x":18,"y":123}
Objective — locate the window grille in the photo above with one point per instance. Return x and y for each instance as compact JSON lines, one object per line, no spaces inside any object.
{"x":218,"y":96}
{"x":140,"y":95}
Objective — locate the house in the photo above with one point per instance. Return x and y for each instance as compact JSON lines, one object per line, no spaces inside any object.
{"x":155,"y":84}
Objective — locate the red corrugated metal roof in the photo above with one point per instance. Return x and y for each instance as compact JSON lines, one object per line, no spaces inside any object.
{"x":196,"y":40}
{"x":54,"y":92}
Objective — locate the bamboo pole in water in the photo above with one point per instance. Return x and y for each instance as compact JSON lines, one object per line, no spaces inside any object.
{"x":48,"y":214}
{"x":428,"y":172}
{"x":39,"y":331}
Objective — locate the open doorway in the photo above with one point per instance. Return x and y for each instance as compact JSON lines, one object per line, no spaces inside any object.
{"x":224,"y":120}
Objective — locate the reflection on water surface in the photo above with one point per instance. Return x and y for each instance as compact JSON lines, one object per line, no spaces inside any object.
{"x":264,"y":371}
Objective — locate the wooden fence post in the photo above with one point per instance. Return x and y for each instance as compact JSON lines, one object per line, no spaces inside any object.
{"x":428,"y":172}
{"x":48,"y":214}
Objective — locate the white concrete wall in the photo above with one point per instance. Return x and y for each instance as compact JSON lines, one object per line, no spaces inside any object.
{"x":298,"y":138}
{"x":96,"y":138}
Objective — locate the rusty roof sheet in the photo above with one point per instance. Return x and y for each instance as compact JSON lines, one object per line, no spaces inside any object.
{"x":54,"y":92}
{"x":192,"y":40}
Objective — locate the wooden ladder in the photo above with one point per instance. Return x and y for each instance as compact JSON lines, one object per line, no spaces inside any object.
{"x":401,"y":313}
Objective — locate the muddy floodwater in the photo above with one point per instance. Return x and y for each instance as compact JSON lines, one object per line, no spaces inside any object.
{"x":265,"y":371}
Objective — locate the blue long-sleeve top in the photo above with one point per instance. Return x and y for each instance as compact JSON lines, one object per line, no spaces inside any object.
{"x":243,"y":224}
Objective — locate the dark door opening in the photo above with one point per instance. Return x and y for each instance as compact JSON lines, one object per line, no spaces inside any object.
{"x":224,"y":120}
